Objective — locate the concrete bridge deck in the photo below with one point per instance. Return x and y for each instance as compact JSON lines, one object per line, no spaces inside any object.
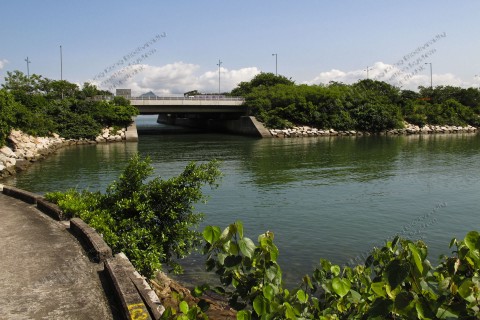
{"x":197,"y":105}
{"x":44,"y":272}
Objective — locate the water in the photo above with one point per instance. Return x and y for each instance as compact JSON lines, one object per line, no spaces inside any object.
{"x":332,"y":198}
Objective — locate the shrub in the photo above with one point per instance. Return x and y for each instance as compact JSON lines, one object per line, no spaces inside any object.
{"x":149,"y":219}
{"x":396,"y":281}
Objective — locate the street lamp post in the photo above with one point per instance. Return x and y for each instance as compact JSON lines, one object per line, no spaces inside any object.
{"x":367,"y":72}
{"x":276,"y":63}
{"x":28,"y":67}
{"x":219,"y":64}
{"x":61,"y":64}
{"x":431,"y":75}
{"x":61,"y":67}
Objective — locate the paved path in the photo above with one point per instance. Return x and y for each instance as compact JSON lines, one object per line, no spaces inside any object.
{"x":44,"y":272}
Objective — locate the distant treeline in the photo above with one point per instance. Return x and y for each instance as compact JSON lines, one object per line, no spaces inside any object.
{"x":367,"y":105}
{"x":41,"y":106}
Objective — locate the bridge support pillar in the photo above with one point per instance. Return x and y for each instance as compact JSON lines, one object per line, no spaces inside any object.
{"x":131,"y":134}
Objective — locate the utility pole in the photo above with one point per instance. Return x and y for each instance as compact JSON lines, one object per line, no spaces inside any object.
{"x":28,"y":67}
{"x":219,"y":64}
{"x":276,"y":63}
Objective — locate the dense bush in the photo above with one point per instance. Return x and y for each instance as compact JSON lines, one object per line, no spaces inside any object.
{"x":367,"y":105}
{"x":8,"y":105}
{"x":41,"y":106}
{"x":149,"y":219}
{"x":396,"y":281}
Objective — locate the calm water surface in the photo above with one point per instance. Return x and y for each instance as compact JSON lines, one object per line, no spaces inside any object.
{"x":333,"y":198}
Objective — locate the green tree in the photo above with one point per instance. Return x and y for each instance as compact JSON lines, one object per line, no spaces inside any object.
{"x":44,"y":106}
{"x":149,"y":219}
{"x":260,"y":80}
{"x":8,"y":105}
{"x":375,"y":117}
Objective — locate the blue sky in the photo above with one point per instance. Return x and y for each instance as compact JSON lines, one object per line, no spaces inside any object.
{"x":316,"y":41}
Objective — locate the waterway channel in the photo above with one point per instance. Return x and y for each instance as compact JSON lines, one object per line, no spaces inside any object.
{"x":325,"y":197}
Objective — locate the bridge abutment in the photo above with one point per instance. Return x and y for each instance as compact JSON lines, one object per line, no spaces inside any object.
{"x":131,"y":133}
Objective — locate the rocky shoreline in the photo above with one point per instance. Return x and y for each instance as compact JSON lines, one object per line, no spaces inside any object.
{"x":23,"y":149}
{"x":409,"y":129}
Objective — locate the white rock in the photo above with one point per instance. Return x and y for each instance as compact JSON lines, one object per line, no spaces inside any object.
{"x":20,"y":153}
{"x":7,"y":152}
{"x":29,"y":155}
{"x":11,"y":162}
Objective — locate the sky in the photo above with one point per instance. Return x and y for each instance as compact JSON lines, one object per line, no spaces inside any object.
{"x":171,"y":47}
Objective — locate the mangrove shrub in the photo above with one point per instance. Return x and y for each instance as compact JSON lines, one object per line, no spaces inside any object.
{"x":149,"y":219}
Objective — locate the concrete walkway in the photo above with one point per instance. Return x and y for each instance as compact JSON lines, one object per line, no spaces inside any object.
{"x":44,"y":272}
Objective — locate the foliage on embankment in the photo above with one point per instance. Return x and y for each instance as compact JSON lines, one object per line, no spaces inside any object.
{"x":41,"y":106}
{"x":368,"y":105}
{"x":396,"y":281}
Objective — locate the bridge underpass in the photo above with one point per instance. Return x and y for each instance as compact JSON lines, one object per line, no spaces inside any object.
{"x":223,"y":114}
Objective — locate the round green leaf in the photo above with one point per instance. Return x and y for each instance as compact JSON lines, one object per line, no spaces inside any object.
{"x":465,"y":290}
{"x":378,"y":288}
{"x":397,"y":271}
{"x":260,"y":305}
{"x":269,"y":292}
{"x":472,"y":240}
{"x":211,"y":234}
{"x":239,"y":226}
{"x":356,"y":297}
{"x":335,"y":270}
{"x":341,"y":286}
{"x":302,"y":296}
{"x":184,"y":307}
{"x":416,"y":257}
{"x":273,"y":272}
{"x":244,"y":315}
{"x":247,"y":247}
{"x":289,"y":311}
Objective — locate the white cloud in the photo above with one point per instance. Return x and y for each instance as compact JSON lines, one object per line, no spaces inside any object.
{"x":179,"y":77}
{"x":401,"y":76}
{"x":176,"y":78}
{"x":3,"y":62}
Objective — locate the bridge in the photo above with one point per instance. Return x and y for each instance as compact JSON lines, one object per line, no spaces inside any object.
{"x":212,"y":113}
{"x":191,"y":105}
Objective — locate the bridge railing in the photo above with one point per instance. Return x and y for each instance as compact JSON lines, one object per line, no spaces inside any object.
{"x":206,"y":98}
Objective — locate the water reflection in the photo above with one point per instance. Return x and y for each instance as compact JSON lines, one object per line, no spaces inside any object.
{"x":83,"y":166}
{"x":329,"y":197}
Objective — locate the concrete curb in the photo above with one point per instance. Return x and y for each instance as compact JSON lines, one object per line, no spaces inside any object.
{"x":92,"y":241}
{"x":50,"y":209}
{"x":136,"y":297}
{"x":20,"y":194}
